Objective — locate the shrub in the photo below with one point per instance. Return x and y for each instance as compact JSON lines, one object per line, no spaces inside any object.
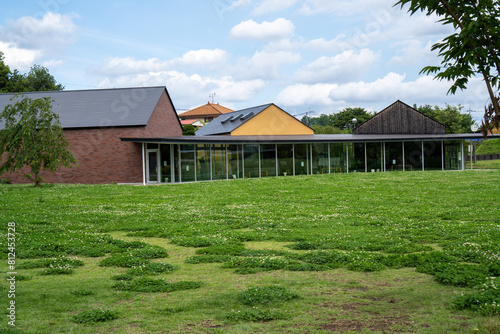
{"x":465,"y":275}
{"x":304,"y":245}
{"x":255,"y":315}
{"x":151,"y":268}
{"x":155,"y":285}
{"x":46,"y":263}
{"x":222,"y":249}
{"x":486,"y":301}
{"x":124,"y":277}
{"x":82,"y":292}
{"x":265,"y":295}
{"x":93,"y":316}
{"x":266,"y":263}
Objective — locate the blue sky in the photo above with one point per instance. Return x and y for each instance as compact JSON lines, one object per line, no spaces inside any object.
{"x":303,"y":55}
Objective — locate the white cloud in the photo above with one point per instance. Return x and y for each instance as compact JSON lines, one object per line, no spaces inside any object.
{"x":380,"y":93}
{"x":206,"y":59}
{"x":270,"y":6}
{"x":239,"y":3}
{"x":17,"y":58}
{"x":49,"y":32}
{"x":345,"y":67}
{"x":186,"y":90}
{"x":278,"y":29}
{"x":263,"y":64}
{"x":414,"y":52}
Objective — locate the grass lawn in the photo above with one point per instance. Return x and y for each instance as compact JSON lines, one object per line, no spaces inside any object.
{"x":398,"y":252}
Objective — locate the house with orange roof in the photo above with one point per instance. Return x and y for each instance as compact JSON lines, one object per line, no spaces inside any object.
{"x":205,"y":113}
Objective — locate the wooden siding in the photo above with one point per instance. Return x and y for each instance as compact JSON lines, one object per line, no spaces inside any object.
{"x":400,"y":118}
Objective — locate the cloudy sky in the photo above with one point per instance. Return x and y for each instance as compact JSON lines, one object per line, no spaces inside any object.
{"x":303,"y":55}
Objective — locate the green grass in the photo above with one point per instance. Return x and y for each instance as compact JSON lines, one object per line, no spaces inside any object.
{"x":491,"y":146}
{"x":379,"y":252}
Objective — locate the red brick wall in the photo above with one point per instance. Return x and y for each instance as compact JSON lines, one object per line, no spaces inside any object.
{"x":103,"y":158}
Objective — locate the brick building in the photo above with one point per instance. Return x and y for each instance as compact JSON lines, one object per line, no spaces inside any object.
{"x":93,"y":123}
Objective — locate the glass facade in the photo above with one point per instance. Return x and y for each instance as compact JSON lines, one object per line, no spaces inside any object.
{"x":413,"y":155}
{"x":374,"y":157}
{"x":394,"y":156}
{"x":219,"y":162}
{"x":285,"y":159}
{"x":235,"y":161}
{"x":320,"y":158}
{"x":301,"y":152}
{"x":168,"y":163}
{"x":268,"y":159}
{"x":433,"y":157}
{"x":203,"y":163}
{"x":187,"y":170}
{"x":453,"y":155}
{"x":251,"y":161}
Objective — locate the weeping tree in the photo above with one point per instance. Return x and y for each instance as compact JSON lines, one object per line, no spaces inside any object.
{"x":473,"y":49}
{"x":32,"y":137}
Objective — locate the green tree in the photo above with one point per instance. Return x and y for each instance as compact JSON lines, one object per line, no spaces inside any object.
{"x":474,"y":48}
{"x":4,"y":73}
{"x":37,"y":79}
{"x":326,"y":129}
{"x":451,"y":116}
{"x":32,"y":137}
{"x":343,"y":119}
{"x":188,"y":130}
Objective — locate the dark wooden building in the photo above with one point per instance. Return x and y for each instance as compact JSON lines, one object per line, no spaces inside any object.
{"x":400,"y":118}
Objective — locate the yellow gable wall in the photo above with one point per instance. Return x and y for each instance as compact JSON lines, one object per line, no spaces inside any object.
{"x":272,"y":121}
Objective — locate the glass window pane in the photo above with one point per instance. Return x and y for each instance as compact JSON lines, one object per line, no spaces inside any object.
{"x":251,"y":165}
{"x":165,"y":164}
{"x":235,"y":161}
{"x":203,"y":162}
{"x":219,"y":171}
{"x":452,"y":155}
{"x":153,"y":166}
{"x":285,"y":159}
{"x":357,"y":158}
{"x":320,"y":158}
{"x":413,"y":155}
{"x":432,"y":155}
{"x":187,"y":163}
{"x":393,"y":156}
{"x":301,"y":159}
{"x":338,"y":163}
{"x":374,"y":157}
{"x":268,"y":159}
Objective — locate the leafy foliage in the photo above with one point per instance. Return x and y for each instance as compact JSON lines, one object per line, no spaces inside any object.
{"x":93,"y":316}
{"x":472,"y":49}
{"x":37,"y":79}
{"x":48,"y":263}
{"x":156,"y":285}
{"x":266,"y":295}
{"x":151,"y":268}
{"x":33,"y":137}
{"x":486,"y":301}
{"x":451,"y":116}
{"x":255,"y":315}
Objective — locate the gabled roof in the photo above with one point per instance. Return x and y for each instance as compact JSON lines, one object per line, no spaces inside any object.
{"x":400,"y":118}
{"x":99,"y":107}
{"x":230,"y":121}
{"x":209,"y":109}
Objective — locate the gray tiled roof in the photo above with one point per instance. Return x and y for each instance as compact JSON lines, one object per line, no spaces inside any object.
{"x":99,"y":107}
{"x":230,"y":121}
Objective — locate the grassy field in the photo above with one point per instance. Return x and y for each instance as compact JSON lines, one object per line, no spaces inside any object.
{"x":373,"y":253}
